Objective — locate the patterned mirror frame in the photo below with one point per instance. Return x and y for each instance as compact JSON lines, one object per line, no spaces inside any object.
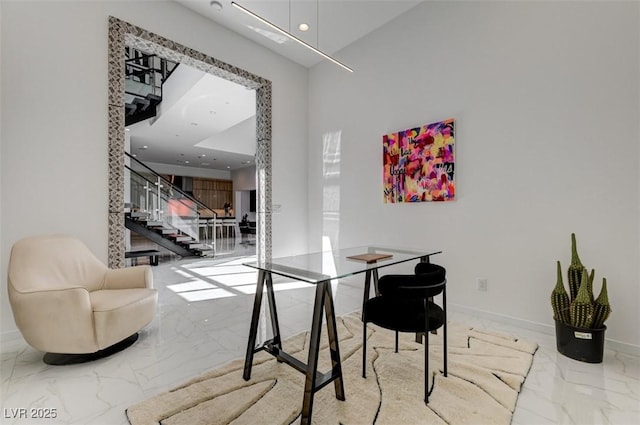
{"x":123,"y":34}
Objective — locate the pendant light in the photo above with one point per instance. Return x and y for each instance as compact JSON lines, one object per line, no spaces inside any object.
{"x":289,"y":35}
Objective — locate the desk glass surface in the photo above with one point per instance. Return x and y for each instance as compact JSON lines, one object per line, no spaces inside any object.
{"x":322,"y":266}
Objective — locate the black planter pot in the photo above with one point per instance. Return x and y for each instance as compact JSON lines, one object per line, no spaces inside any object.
{"x":585,"y":345}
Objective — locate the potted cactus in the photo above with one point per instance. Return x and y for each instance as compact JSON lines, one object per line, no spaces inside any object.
{"x":579,"y":317}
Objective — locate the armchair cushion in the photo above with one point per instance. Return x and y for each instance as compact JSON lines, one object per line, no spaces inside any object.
{"x":122,"y":312}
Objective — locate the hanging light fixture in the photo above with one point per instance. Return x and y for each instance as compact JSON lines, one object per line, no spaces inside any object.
{"x":289,"y":35}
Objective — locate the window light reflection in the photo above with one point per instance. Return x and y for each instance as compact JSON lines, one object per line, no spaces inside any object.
{"x":277,"y":287}
{"x":205,"y":283}
{"x":196,"y":285}
{"x":238,"y":279}
{"x":221,"y":270}
{"x":208,"y":294}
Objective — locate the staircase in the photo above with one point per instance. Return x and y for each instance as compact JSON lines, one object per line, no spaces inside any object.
{"x":167,"y":236}
{"x":163,"y":213}
{"x":141,"y":108}
{"x":144,"y":76}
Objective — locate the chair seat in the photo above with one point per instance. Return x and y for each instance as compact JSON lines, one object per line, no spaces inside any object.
{"x":392,"y":314}
{"x":120,"y":313}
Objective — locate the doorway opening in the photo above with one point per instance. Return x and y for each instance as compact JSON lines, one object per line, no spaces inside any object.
{"x":122,"y":34}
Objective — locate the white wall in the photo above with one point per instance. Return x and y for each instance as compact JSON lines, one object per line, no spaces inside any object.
{"x":244,"y":178}
{"x":54,"y":122}
{"x":1,"y":162}
{"x":546,"y":98}
{"x":244,"y":181}
{"x":183,"y":78}
{"x":237,"y":139}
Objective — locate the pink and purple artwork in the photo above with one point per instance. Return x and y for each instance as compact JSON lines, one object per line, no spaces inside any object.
{"x":419,"y":163}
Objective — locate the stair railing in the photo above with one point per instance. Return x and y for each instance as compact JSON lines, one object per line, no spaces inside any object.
{"x":145,"y":74}
{"x":160,"y":207}
{"x":153,"y":194}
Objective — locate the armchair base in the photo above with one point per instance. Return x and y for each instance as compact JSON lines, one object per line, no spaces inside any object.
{"x":60,"y":359}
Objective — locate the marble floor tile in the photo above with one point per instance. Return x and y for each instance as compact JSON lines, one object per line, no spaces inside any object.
{"x":203,"y":320}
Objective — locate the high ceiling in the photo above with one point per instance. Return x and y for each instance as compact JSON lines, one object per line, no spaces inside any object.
{"x":209,"y":125}
{"x":203,"y":121}
{"x":333,"y":24}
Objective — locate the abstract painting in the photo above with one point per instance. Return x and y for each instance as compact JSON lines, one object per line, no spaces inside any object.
{"x":419,"y":164}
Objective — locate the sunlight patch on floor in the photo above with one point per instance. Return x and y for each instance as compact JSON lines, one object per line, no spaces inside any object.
{"x":208,"y":281}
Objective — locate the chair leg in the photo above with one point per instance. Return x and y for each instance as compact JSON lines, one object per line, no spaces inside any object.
{"x":444,"y":336}
{"x":396,"y":341}
{"x":426,"y":351}
{"x":444,"y":347}
{"x":364,"y":349}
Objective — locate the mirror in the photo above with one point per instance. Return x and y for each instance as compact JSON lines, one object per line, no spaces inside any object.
{"x":123,"y":34}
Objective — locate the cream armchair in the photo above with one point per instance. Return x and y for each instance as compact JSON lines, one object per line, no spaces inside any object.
{"x":64,"y":300}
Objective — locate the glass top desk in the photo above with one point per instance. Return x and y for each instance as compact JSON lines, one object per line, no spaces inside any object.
{"x":318,"y":268}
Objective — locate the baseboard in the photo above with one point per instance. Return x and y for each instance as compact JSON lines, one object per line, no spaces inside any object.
{"x":619,"y":346}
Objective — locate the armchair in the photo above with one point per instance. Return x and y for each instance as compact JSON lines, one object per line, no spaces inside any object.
{"x":69,"y":304}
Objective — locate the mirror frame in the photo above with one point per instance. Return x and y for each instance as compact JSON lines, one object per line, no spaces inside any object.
{"x":123,"y":34}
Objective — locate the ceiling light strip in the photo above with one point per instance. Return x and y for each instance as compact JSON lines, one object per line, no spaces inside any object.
{"x":291,"y":36}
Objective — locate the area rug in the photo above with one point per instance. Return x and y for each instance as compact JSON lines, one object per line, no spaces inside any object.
{"x":485,"y":373}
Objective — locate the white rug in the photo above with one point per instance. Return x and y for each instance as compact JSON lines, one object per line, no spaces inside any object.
{"x":485,"y":373}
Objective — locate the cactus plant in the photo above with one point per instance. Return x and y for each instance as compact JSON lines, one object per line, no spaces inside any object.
{"x":578,"y":308}
{"x":581,"y":310}
{"x":576,"y":268}
{"x":601,"y":306}
{"x":560,"y":300}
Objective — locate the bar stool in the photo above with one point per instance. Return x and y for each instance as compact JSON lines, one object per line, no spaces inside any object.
{"x":217,"y":225}
{"x":230,"y":226}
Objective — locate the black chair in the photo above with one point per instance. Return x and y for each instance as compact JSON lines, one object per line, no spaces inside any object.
{"x":405,"y":304}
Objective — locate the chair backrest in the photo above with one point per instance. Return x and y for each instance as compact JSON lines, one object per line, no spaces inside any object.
{"x":53,"y":262}
{"x":433,"y":272}
{"x":429,"y":280}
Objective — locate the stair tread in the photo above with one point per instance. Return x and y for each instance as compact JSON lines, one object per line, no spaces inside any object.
{"x":141,"y":101}
{"x":139,"y":214}
{"x":177,"y":246}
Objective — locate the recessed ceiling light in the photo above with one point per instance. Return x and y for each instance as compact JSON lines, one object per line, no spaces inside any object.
{"x":228,"y":166}
{"x":216,"y":5}
{"x":194,"y":123}
{"x":143,"y":147}
{"x":303,"y":27}
{"x":186,"y":162}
